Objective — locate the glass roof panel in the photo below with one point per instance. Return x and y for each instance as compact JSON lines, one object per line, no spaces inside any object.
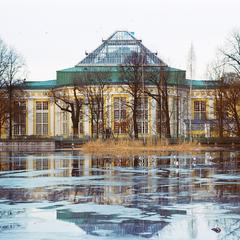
{"x":116,"y":48}
{"x":122,"y":35}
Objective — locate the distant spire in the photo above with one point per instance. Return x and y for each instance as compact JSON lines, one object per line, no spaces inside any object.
{"x":191,"y":62}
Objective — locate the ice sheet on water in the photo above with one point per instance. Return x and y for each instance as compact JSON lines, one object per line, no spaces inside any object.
{"x":105,"y":209}
{"x":227,"y":176}
{"x":40,"y":155}
{"x":179,"y":169}
{"x":182,"y":156}
{"x":102,"y":232}
{"x":65,"y":236}
{"x":55,"y":181}
{"x":39,"y":225}
{"x":11,"y":172}
{"x":181,"y":230}
{"x":33,"y":173}
{"x":136,"y":170}
{"x":7,"y":205}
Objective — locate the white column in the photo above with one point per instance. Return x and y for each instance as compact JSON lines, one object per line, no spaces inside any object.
{"x":30,"y":116}
{"x":211,"y":109}
{"x":86,"y":121}
{"x":207,"y":129}
{"x":52,"y":118}
{"x":109,"y":110}
{"x":58,"y":121}
{"x":153,"y":113}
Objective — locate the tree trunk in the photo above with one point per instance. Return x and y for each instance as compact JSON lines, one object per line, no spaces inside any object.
{"x":97,"y":126}
{"x":10,"y":126}
{"x":237,"y":122}
{"x":220,"y":116}
{"x":102,"y":113}
{"x":92,"y":126}
{"x":160,"y":117}
{"x":75,"y":122}
{"x":10,"y":113}
{"x":135,"y":126}
{"x":166,"y":113}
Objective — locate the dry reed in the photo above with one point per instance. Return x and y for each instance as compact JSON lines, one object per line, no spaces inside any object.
{"x":130,"y":147}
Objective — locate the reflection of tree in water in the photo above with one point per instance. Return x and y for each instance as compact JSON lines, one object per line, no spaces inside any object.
{"x":227,"y":190}
{"x":163,"y":181}
{"x":228,"y":162}
{"x":77,"y":165}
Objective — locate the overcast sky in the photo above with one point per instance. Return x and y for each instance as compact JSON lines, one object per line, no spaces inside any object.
{"x":54,"y":34}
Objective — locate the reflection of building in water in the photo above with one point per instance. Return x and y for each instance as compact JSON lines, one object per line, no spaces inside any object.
{"x":163,"y":180}
{"x":191,"y":179}
{"x":12,"y":161}
{"x":111,"y":224}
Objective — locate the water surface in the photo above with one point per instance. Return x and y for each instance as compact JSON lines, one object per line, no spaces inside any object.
{"x":69,"y":195}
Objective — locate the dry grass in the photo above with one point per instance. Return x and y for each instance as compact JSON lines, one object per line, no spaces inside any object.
{"x":130,"y":147}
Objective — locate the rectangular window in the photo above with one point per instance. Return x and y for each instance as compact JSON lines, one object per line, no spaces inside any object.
{"x":200,"y":110}
{"x":142,"y":116}
{"x":120,"y":115}
{"x":42,"y":117}
{"x":65,"y":129}
{"x":19,"y":123}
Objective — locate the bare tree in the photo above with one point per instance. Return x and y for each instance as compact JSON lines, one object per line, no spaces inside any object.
{"x":231,"y":59}
{"x":3,"y":113}
{"x":231,"y":95}
{"x":11,"y":84}
{"x":88,"y":91}
{"x":231,"y":53}
{"x":220,"y":107}
{"x":3,"y":67}
{"x":227,"y":88}
{"x":216,"y":72}
{"x":158,"y":90}
{"x":3,"y":61}
{"x":132,"y":77}
{"x":70,"y":99}
{"x":95,"y":88}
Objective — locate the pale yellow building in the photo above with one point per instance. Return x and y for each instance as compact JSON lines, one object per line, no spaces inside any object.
{"x":44,"y":118}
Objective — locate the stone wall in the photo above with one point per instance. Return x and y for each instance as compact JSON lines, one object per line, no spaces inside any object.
{"x":24,"y":145}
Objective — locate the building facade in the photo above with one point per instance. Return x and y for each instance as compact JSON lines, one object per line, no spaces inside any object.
{"x":191,"y":102}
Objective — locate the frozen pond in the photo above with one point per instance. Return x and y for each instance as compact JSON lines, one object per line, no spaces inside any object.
{"x":71,"y":196}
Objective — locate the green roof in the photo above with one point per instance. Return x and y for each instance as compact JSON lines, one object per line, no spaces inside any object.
{"x":196,"y":84}
{"x":201,"y":84}
{"x":69,"y":75}
{"x":40,"y":84}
